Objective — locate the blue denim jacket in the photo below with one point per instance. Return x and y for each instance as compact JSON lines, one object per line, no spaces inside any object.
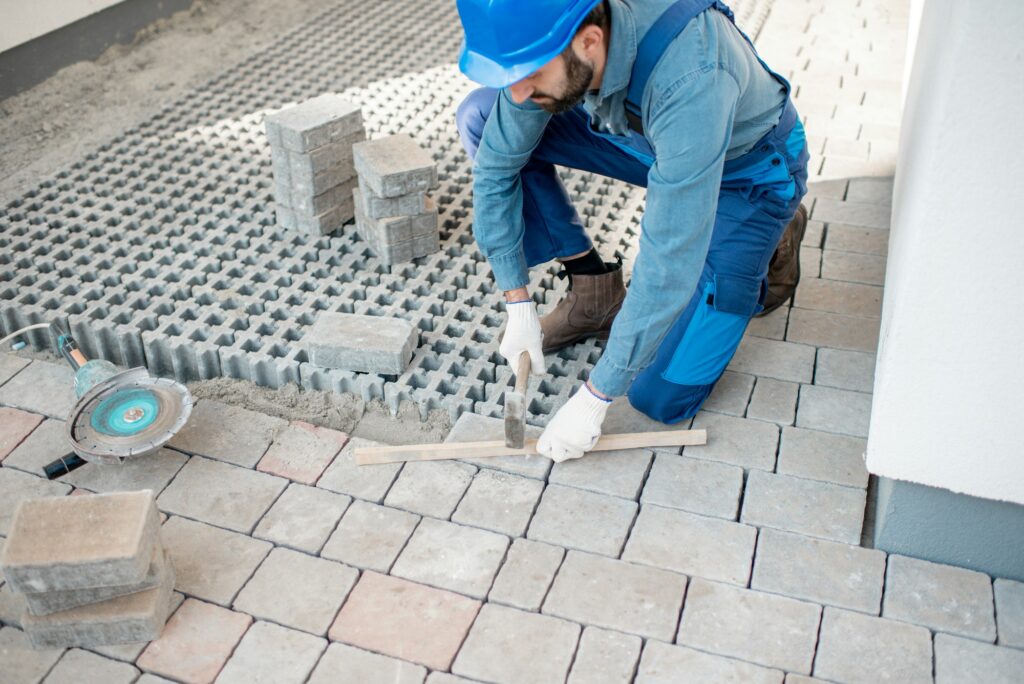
{"x":708,"y":100}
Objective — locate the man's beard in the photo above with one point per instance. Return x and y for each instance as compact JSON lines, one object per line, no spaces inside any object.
{"x":578,"y":75}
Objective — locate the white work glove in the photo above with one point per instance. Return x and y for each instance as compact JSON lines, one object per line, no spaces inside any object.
{"x":576,"y":427}
{"x":523,"y":334}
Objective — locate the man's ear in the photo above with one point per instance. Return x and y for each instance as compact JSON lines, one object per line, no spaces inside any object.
{"x":589,"y":41}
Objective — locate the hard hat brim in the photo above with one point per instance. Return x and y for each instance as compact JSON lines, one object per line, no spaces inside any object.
{"x":487,"y":72}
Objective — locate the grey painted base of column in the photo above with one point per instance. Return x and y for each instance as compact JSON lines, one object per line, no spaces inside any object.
{"x":945,"y":527}
{"x":25,"y":65}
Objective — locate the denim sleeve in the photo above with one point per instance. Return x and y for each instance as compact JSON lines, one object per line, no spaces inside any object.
{"x":510,"y":135}
{"x":689,"y":127}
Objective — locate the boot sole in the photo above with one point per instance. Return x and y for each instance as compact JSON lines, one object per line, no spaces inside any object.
{"x":802,"y":210}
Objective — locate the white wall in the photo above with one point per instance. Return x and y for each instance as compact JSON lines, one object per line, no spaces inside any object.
{"x":948,"y":406}
{"x":23,"y":20}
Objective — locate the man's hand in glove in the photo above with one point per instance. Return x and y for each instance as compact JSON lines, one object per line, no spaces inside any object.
{"x":523,"y":334}
{"x":576,"y":427}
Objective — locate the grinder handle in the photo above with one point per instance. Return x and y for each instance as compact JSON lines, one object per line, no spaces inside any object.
{"x":67,"y":346}
{"x":523,"y":372}
{"x":63,"y":466}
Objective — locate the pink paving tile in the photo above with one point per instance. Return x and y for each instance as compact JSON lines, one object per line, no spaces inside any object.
{"x":302,"y":452}
{"x":405,"y":620}
{"x":196,"y":643}
{"x":15,"y":426}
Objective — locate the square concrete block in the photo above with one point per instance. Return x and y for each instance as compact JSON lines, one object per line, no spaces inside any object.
{"x":823,"y":456}
{"x":896,"y":651}
{"x":772,"y":326}
{"x":377,"y":207}
{"x":695,"y":485}
{"x":739,"y":441}
{"x":498,"y":501}
{"x":154,"y":472}
{"x":303,"y":167}
{"x":47,"y":443}
{"x":582,"y":520}
{"x":370,"y":536}
{"x":823,"y":329}
{"x":82,"y":667}
{"x":774,"y":401}
{"x":526,"y":575}
{"x":405,"y":620}
{"x":369,"y":482}
{"x":11,"y":365}
{"x":692,"y":544}
{"x":41,"y":387}
{"x":843,"y":369}
{"x":227,"y":433}
{"x":617,"y":595}
{"x":311,"y":197}
{"x":20,"y":662}
{"x":966,"y":660}
{"x":859,"y":239}
{"x":318,"y":121}
{"x":15,"y":426}
{"x":868,"y":214}
{"x":430,"y":487}
{"x":271,"y":653}
{"x":833,"y":296}
{"x":297,"y":590}
{"x":731,"y":394}
{"x":1010,"y":612}
{"x":868,"y":269}
{"x":343,"y":663}
{"x":941,"y":597}
{"x":665,"y":664}
{"x":769,"y":630}
{"x":605,"y":657}
{"x":818,"y":509}
{"x":395,"y":165}
{"x":302,"y":518}
{"x":301,"y":452}
{"x":616,"y":473}
{"x":834,"y":410}
{"x":81,"y":542}
{"x":510,"y":646}
{"x":454,"y":557}
{"x":472,"y":427}
{"x":356,"y":342}
{"x":773,"y":359}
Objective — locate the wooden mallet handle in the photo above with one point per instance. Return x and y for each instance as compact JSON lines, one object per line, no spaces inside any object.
{"x":523,"y":372}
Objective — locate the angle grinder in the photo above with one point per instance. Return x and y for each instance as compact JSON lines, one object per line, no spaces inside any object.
{"x":118,"y":414}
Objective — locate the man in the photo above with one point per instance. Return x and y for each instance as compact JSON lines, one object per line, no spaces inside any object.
{"x":666,"y":95}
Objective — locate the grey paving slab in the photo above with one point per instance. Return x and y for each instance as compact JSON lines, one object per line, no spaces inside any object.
{"x":940,"y":597}
{"x":622,"y":417}
{"x":617,"y":473}
{"x":868,"y":269}
{"x":210,"y":563}
{"x":271,"y":653}
{"x":818,"y":509}
{"x":823,"y":456}
{"x":82,"y":667}
{"x":370,"y":536}
{"x":45,"y":444}
{"x":358,"y":342}
{"x":15,"y":426}
{"x":774,"y":401}
{"x":666,"y":664}
{"x":11,"y":365}
{"x":455,"y":557}
{"x":395,"y":165}
{"x":834,"y":410}
{"x":472,"y":427}
{"x":154,"y":472}
{"x":962,"y":661}
{"x":344,"y":663}
{"x":823,"y":329}
{"x":605,"y":657}
{"x":860,"y":649}
{"x":870,"y":190}
{"x":773,"y":359}
{"x":129,"y":653}
{"x":819,"y":571}
{"x":302,"y":518}
{"x":583,"y":520}
{"x":313,"y":123}
{"x":695,"y":485}
{"x":692,"y":544}
{"x":739,"y":441}
{"x":445,"y":678}
{"x":20,"y":662}
{"x":772,"y":326}
{"x":526,"y":575}
{"x":834,"y":296}
{"x":308,"y":605}
{"x":12,"y":605}
{"x":369,"y":482}
{"x":431,"y":488}
{"x":507,"y":645}
{"x":1009,"y":597}
{"x":16,"y":486}
{"x":868,"y":214}
{"x":499,"y":501}
{"x":41,"y":387}
{"x":617,"y":595}
{"x":302,"y":451}
{"x":731,"y":394}
{"x":227,"y":433}
{"x":845,"y":369}
{"x":857,"y":239}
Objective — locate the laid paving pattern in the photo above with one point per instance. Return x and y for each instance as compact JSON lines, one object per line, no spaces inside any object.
{"x":735,"y":561}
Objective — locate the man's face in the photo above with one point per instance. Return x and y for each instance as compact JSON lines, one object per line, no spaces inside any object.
{"x":558,"y":86}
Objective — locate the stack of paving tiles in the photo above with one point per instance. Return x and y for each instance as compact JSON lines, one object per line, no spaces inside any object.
{"x":393,"y":212}
{"x":91,"y":569}
{"x":311,"y":146}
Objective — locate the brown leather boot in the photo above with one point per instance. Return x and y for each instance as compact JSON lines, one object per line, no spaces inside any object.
{"x":784,"y":268}
{"x":587,"y":310}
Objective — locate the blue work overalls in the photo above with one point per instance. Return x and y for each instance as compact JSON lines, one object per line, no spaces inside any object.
{"x":759,"y":195}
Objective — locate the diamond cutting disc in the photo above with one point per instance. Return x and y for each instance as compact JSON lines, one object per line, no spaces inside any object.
{"x":128,"y":414}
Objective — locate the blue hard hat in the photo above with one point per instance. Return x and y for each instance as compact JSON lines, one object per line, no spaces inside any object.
{"x":507,"y":40}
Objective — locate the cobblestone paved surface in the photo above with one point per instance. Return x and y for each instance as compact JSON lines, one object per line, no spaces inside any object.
{"x":738,"y":561}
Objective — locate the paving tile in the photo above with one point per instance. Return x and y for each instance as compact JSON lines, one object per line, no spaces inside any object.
{"x":11,"y":365}
{"x":810,"y":262}
{"x":801,"y":679}
{"x":617,"y":473}
{"x":499,"y":501}
{"x":834,"y":410}
{"x":47,"y":443}
{"x":868,"y":269}
{"x":692,"y":544}
{"x":823,"y":329}
{"x":960,"y":660}
{"x":774,"y":401}
{"x":310,"y":604}
{"x":1009,"y":597}
{"x":695,"y":485}
{"x":221,"y":494}
{"x":369,"y":482}
{"x":20,"y":662}
{"x":868,"y":214}
{"x":445,"y":678}
{"x":510,"y":646}
{"x":16,"y":486}
{"x":897,"y":651}
{"x":772,"y":326}
{"x":15,"y":426}
{"x":41,"y":387}
{"x":431,"y":488}
{"x":818,"y":509}
{"x":834,"y":296}
{"x":617,"y":595}
{"x":819,"y":571}
{"x":370,"y":536}
{"x":834,"y":189}
{"x":12,"y":605}
{"x":666,"y":664}
{"x":872,"y":190}
{"x":582,"y":520}
{"x":739,"y":441}
{"x":227,"y":433}
{"x":526,"y":575}
{"x":823,"y":456}
{"x":774,"y":359}
{"x":857,"y":239}
{"x":82,"y":667}
{"x":605,"y":657}
{"x":211,"y":563}
{"x":129,"y":653}
{"x":343,"y":663}
{"x":147,"y":678}
{"x":942,"y":598}
{"x":197,"y":641}
{"x":271,"y":653}
{"x":406,"y":620}
{"x":622,"y":417}
{"x":154,"y":472}
{"x":765,"y":629}
{"x":302,"y":518}
{"x":731,"y":394}
{"x":301,"y":452}
{"x":471,"y":427}
{"x":850,"y":370}
{"x":449,"y":556}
